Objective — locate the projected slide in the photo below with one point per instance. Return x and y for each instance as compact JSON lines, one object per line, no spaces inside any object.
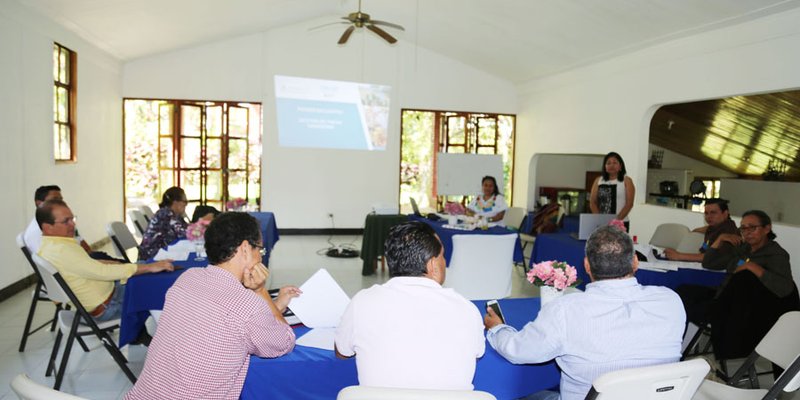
{"x":331,"y":114}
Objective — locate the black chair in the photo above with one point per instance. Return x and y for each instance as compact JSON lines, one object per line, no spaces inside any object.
{"x":39,"y":294}
{"x":77,"y":323}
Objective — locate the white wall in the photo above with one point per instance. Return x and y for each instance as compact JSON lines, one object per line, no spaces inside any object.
{"x":560,"y":170}
{"x":778,"y":199}
{"x":303,"y":185}
{"x":608,"y":106}
{"x":92,"y":186}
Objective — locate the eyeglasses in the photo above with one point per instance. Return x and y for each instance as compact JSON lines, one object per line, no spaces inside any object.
{"x":748,"y":228}
{"x":261,"y":249}
{"x":67,"y":221}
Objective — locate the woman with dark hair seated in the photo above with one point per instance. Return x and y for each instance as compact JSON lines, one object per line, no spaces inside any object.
{"x":758,"y":291}
{"x":490,"y":204}
{"x":167,"y":225}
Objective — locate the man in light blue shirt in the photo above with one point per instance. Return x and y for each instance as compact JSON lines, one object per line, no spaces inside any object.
{"x":616,"y":324}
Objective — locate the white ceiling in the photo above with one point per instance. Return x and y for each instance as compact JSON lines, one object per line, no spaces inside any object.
{"x":515,"y":39}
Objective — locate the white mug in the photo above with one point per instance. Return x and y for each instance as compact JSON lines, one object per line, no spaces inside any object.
{"x":452,"y":220}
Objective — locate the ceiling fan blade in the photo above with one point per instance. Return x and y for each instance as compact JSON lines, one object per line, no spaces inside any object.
{"x":346,"y":34}
{"x":389,"y":24}
{"x":326,"y":25}
{"x":387,"y":37}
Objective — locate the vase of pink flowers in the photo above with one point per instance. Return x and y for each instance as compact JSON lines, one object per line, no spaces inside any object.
{"x":236,"y":204}
{"x":195,"y":232}
{"x":552,"y":278}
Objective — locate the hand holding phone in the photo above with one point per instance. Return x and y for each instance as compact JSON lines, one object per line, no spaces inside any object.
{"x":495,"y":306}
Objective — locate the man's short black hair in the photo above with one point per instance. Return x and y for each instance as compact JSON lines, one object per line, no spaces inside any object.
{"x":226,"y":232}
{"x":610,"y":253}
{"x":721,"y":203}
{"x":44,"y":213}
{"x":409,"y":247}
{"x":42,"y":192}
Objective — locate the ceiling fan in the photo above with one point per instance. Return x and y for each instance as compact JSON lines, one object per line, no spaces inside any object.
{"x":362,"y":20}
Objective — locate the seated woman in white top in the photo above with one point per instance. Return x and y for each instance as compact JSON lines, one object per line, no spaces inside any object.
{"x":490,"y":204}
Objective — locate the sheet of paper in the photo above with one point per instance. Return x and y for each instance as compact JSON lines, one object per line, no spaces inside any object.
{"x":322,"y":303}
{"x":321,"y":338}
{"x":177,"y":255}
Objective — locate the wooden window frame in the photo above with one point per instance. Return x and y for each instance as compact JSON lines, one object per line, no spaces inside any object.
{"x":72,"y":93}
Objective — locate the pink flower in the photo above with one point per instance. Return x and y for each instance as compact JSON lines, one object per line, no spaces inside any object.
{"x":557,"y":274}
{"x":454,"y":208}
{"x":197,"y":230}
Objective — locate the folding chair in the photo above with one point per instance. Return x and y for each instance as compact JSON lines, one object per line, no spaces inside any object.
{"x":781,"y":347}
{"x":381,"y":393}
{"x":122,"y":237}
{"x":674,"y":381}
{"x":76,"y":323}
{"x":27,"y":389}
{"x":39,"y":294}
{"x":147,"y":212}
{"x":669,"y":235}
{"x":139,"y":221}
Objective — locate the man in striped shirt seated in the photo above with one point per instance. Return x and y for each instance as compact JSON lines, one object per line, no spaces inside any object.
{"x":616,"y":324}
{"x":215,"y":317}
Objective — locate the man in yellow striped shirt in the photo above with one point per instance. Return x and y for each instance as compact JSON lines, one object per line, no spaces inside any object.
{"x":96,"y":284}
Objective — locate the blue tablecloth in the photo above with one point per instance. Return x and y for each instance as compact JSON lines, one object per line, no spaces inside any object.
{"x":563,"y":247}
{"x":446,"y":236}
{"x":309,"y":373}
{"x":269,"y":231}
{"x":146,"y":292}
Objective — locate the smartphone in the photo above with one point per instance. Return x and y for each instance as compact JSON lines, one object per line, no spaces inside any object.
{"x":495,"y":306}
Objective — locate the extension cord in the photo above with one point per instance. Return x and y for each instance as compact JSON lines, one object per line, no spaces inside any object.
{"x":338,"y":252}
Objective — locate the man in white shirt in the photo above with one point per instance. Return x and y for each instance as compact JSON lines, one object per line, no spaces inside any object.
{"x":616,"y":324}
{"x":411,"y":332}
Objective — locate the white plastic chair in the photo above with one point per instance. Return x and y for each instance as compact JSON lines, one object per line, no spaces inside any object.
{"x":122,"y":237}
{"x":513,"y":217}
{"x":28,"y":389}
{"x":75,"y":324}
{"x":139,"y":221}
{"x":674,"y":381}
{"x":669,"y":235}
{"x":379,"y":393}
{"x":147,"y":212}
{"x":691,"y":243}
{"x":481,"y":266}
{"x":780,"y":346}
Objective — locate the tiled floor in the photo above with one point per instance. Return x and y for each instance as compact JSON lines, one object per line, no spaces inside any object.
{"x":94,"y":375}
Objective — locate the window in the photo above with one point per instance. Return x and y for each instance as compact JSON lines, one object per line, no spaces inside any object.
{"x":211,"y":149}
{"x":712,"y":191}
{"x":424,"y":133}
{"x":64,"y":102}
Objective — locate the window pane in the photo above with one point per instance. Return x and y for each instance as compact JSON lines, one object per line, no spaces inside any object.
{"x":237,"y":122}
{"x":485,"y":150}
{"x":214,"y":121}
{"x":55,"y":103}
{"x":237,"y":182}
{"x":64,"y":150}
{"x":62,"y":70}
{"x":190,"y":153}
{"x":165,"y":119}
{"x":455,"y":130}
{"x":165,"y":181}
{"x":62,"y":98}
{"x":56,"y":141}
{"x":237,"y":154}
{"x":190,"y":121}
{"x":213,"y":153}
{"x":214,"y":185}
{"x":190,"y":183}
{"x":55,"y":62}
{"x":486,"y":131}
{"x":165,"y":153}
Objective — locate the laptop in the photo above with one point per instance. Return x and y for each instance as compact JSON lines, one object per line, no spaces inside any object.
{"x":587,"y":223}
